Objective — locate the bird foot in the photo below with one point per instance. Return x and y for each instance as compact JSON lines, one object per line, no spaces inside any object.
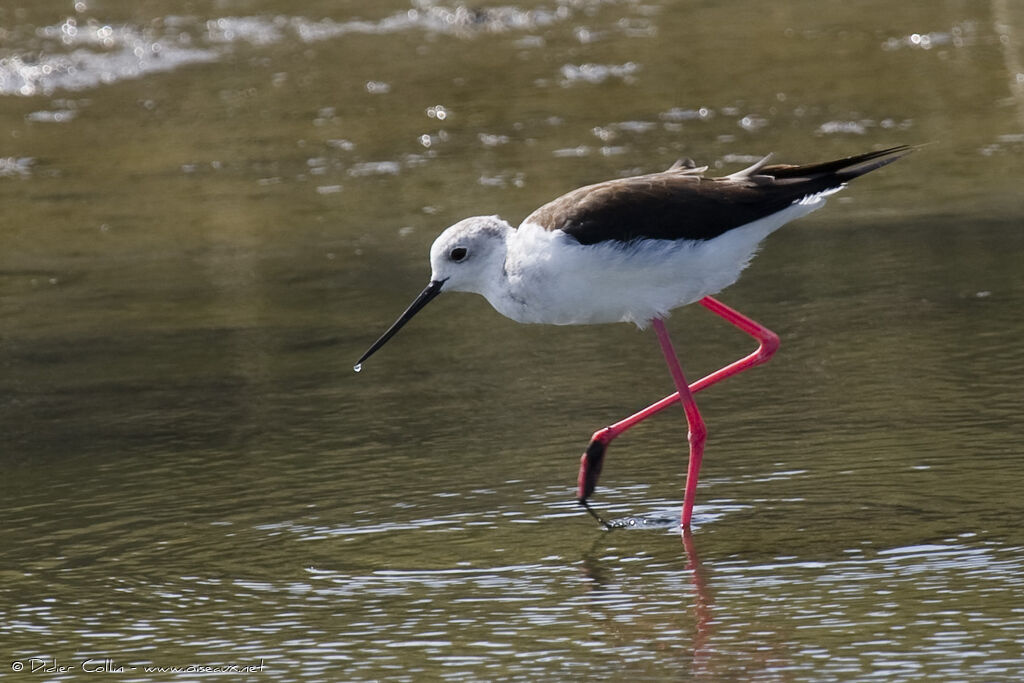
{"x":590,"y":464}
{"x":593,"y":513}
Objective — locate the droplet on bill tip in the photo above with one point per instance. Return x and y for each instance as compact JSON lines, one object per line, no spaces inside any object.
{"x":358,"y":367}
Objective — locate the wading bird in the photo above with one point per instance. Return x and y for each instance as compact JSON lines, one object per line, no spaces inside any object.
{"x":631,"y":250}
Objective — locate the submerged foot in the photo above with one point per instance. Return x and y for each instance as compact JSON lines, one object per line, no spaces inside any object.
{"x":593,"y":513}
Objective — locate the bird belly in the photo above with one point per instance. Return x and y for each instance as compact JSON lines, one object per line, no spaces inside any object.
{"x":555,"y":280}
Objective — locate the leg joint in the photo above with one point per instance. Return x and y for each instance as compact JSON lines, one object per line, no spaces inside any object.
{"x":768,"y":346}
{"x":602,"y":436}
{"x":698,"y":433}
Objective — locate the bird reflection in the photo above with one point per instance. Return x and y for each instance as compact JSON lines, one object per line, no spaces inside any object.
{"x":604,"y":581}
{"x":701,"y":605}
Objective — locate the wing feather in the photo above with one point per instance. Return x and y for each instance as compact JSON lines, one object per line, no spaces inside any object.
{"x":680,"y":203}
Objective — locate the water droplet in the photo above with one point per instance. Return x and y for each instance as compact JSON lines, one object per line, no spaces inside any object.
{"x":357,"y":367}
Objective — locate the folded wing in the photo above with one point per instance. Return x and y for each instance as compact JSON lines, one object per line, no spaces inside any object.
{"x":680,"y":203}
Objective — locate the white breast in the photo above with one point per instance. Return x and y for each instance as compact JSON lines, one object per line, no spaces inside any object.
{"x":551,"y":278}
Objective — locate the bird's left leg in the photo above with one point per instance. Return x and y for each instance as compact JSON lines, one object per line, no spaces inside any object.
{"x":593,"y":457}
{"x":697,"y":431}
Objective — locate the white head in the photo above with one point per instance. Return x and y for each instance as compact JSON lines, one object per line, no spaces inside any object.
{"x":467,"y":257}
{"x":470,"y":255}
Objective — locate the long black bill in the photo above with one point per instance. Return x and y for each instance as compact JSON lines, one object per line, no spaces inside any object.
{"x":432,"y":290}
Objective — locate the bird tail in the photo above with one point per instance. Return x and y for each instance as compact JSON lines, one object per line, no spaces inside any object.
{"x":840,"y":170}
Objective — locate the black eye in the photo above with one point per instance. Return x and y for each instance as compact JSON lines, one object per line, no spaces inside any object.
{"x":457,"y":254}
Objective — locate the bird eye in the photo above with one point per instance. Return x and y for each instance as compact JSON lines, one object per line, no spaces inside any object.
{"x":457,"y":254}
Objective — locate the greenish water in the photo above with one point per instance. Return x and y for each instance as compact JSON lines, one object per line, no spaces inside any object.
{"x":210,"y":209}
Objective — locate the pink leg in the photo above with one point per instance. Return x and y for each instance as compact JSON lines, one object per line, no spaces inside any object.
{"x":593,"y":457}
{"x":697,"y":431}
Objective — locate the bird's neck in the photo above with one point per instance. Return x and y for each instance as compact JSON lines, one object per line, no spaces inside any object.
{"x":509,"y":291}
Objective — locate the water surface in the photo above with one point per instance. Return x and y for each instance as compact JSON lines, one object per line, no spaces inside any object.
{"x":211,"y":210}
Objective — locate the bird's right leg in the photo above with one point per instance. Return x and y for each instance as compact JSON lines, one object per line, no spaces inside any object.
{"x":593,"y":456}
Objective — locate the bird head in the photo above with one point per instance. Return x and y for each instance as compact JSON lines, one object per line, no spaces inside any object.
{"x":464,"y":258}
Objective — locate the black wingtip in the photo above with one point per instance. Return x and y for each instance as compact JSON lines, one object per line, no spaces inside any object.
{"x":865,"y":163}
{"x":843,"y":170}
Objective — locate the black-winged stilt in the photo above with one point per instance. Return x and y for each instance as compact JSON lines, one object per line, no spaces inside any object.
{"x":631,"y":250}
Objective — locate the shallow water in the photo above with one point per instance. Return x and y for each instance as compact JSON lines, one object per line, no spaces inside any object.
{"x":211,"y":210}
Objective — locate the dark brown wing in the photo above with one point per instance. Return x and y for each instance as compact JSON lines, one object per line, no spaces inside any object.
{"x":680,"y":204}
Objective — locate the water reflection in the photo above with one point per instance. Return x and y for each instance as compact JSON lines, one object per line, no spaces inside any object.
{"x":702,"y":605}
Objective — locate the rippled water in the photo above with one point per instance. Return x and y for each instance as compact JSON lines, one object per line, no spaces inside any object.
{"x":211,"y":209}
